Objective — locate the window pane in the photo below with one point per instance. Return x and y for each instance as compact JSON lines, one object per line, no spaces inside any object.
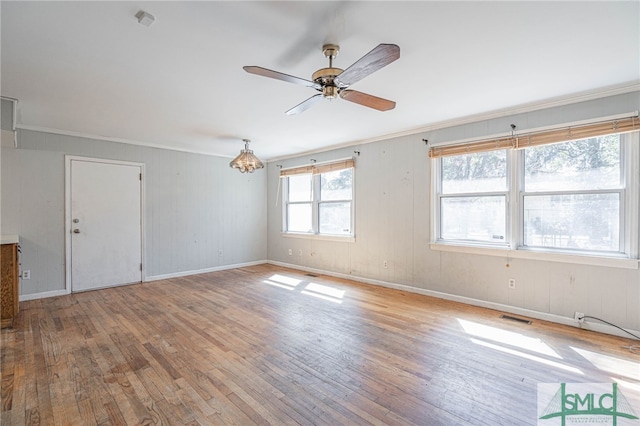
{"x":335,"y":218}
{"x":300,"y":188}
{"x":592,"y":163}
{"x":336,"y":185}
{"x":573,"y":221}
{"x":479,"y":172}
{"x":474,"y":218}
{"x":299,"y":218}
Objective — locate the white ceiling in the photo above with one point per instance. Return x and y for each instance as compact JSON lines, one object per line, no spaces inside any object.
{"x":90,"y":68}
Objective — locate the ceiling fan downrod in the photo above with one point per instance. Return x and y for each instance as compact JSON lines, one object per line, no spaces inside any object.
{"x":325,"y":76}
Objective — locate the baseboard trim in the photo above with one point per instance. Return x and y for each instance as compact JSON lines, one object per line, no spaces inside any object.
{"x":46,"y":294}
{"x":558,"y":319}
{"x":43,"y":295}
{"x":203,"y":271}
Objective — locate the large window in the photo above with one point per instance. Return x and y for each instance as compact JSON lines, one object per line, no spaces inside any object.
{"x":299,"y":212}
{"x":473,"y":199}
{"x":573,"y":196}
{"x":318,"y":200}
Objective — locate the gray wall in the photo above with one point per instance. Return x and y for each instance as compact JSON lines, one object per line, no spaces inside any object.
{"x":195,"y":205}
{"x":393,"y":223}
{"x":6,"y":114}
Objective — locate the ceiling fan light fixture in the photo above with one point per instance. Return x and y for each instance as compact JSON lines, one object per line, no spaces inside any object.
{"x":330,"y":92}
{"x":246,"y":162}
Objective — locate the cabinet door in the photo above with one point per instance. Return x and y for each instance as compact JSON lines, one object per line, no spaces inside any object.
{"x":9,"y":284}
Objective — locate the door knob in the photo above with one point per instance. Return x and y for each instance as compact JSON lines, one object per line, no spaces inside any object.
{"x":76,"y":231}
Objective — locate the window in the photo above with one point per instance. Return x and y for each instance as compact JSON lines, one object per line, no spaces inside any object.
{"x":319,"y":199}
{"x":300,"y":203}
{"x":572,"y":196}
{"x":473,"y":199}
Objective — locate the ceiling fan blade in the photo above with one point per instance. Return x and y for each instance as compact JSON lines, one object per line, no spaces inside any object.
{"x":281,"y":76}
{"x":304,"y":105}
{"x":380,"y":56}
{"x":367,"y":100}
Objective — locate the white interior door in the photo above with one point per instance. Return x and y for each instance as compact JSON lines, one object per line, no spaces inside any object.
{"x":105,"y":224}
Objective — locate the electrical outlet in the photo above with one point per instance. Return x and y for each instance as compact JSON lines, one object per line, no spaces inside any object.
{"x":512,"y":283}
{"x":290,"y":252}
{"x":385,"y":264}
{"x":26,"y":275}
{"x":578,"y":316}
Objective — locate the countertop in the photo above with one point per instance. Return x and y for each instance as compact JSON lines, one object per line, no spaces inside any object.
{"x":10,"y":239}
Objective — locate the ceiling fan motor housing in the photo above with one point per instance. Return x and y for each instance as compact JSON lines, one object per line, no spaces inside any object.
{"x":325,"y":77}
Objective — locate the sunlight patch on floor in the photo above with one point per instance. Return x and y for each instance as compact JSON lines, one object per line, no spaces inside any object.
{"x":611,"y":364}
{"x":282,"y":281}
{"x":508,"y":338}
{"x":528,"y":356}
{"x":320,"y":291}
{"x":324,"y":292}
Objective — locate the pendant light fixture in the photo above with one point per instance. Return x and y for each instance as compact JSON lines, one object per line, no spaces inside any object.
{"x":246,"y":161}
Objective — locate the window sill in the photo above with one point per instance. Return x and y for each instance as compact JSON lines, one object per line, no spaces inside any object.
{"x":342,"y":239}
{"x":612,"y":262}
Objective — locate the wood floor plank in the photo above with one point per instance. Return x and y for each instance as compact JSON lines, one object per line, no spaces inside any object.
{"x":198,"y":407}
{"x":17,"y":393}
{"x":8,"y":362}
{"x":134,"y":401}
{"x":45,"y":411}
{"x":232,"y":348}
{"x":114,"y":414}
{"x":229,"y":412}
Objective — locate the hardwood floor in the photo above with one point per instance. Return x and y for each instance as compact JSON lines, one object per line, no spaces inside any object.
{"x":269,"y":345}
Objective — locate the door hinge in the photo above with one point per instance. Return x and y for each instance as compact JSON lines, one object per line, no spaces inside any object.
{"x":141,"y":266}
{"x":140,"y":176}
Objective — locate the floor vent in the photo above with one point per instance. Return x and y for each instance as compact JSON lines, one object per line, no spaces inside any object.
{"x":311,"y":275}
{"x":516,"y":319}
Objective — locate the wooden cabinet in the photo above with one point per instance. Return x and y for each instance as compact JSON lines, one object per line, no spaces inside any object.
{"x":10,"y":278}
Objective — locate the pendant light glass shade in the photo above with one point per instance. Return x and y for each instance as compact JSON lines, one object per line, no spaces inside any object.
{"x":246,"y":161}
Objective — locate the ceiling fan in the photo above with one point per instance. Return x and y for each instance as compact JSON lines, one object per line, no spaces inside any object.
{"x":333,"y":82}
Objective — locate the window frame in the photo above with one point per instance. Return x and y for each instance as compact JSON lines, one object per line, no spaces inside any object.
{"x":316,"y":202}
{"x":321,"y":202}
{"x":287,"y":203}
{"x":626,"y":256}
{"x":438,"y":211}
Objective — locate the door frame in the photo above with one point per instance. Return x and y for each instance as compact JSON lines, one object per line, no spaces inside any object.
{"x":67,"y":212}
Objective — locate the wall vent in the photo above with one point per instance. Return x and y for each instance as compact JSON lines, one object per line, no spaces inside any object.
{"x":516,"y":319}
{"x":311,"y":275}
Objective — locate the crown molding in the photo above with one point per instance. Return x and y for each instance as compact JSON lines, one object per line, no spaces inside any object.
{"x":619,"y":89}
{"x":117,"y":140}
{"x":574,"y":98}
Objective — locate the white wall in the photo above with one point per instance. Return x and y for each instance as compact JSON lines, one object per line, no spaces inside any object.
{"x":393,"y":223}
{"x":195,"y":206}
